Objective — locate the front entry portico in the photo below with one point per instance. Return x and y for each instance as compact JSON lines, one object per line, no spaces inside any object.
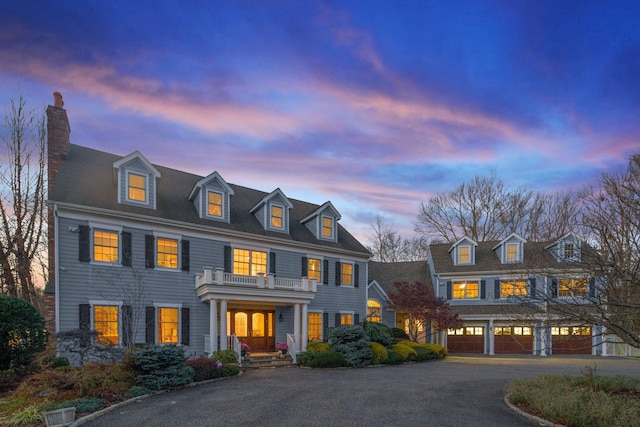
{"x":254,"y":328}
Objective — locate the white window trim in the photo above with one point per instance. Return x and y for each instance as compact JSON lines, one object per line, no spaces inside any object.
{"x":270,"y":213}
{"x":470,"y":262}
{"x":321,"y":313}
{"x":155,"y":321}
{"x":222,"y":207}
{"x":93,"y":303}
{"x":453,"y":291}
{"x":318,"y":258}
{"x":96,"y":226}
{"x":169,"y":236}
{"x":333,"y":228}
{"x":506,"y":253}
{"x":146,"y":176}
{"x":252,"y":249}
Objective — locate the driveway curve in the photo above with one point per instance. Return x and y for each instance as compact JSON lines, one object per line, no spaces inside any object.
{"x":458,"y":391}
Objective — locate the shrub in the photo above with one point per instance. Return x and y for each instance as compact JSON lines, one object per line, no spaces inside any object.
{"x":205,"y":369}
{"x":377,"y":332}
{"x":230,"y":370}
{"x":424,"y":351}
{"x":405,"y":351}
{"x":136,"y":391}
{"x":106,"y":380}
{"x":380,"y":353}
{"x":22,"y":331}
{"x":441,"y":351}
{"x":394,"y":359}
{"x":161,"y":367}
{"x":353,"y":343}
{"x":84,"y":404}
{"x":226,"y":356}
{"x":399,"y":333}
{"x":31,"y":414}
{"x":11,"y":378}
{"x":325,"y":359}
{"x":318,"y":347}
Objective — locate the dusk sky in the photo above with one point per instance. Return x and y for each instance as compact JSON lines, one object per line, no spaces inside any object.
{"x":374,"y":105}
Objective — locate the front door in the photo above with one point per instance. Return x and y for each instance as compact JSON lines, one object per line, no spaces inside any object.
{"x":254,"y":328}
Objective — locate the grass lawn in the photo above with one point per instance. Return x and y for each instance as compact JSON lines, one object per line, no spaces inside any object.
{"x":585,"y":400}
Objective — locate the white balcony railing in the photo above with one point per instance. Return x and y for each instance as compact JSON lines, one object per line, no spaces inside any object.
{"x":218,"y":277}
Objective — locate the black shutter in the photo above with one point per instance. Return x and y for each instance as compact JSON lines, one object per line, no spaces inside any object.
{"x":272,"y":263}
{"x":496,"y":288}
{"x":325,"y":325}
{"x":185,"y":326}
{"x":304,"y":271}
{"x":338,"y":320}
{"x":356,"y":318}
{"x":149,"y":251}
{"x":85,"y":316}
{"x":356,"y":276}
{"x":592,"y":287}
{"x":553,"y":289}
{"x":338,"y":273}
{"x":532,"y":287}
{"x":227,"y":259}
{"x":84,"y":243}
{"x":127,"y":325}
{"x":150,"y":323}
{"x":126,"y":249}
{"x":483,"y":289}
{"x":325,"y":271}
{"x":449,"y":290}
{"x":185,"y":255}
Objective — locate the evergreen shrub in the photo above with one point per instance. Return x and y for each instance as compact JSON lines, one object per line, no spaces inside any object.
{"x":394,"y":359}
{"x":405,"y":351}
{"x":84,"y":404}
{"x":22,"y":332}
{"x":318,"y":346}
{"x":399,"y":333}
{"x":380,"y":353}
{"x":440,"y":350}
{"x":161,"y":366}
{"x":353,"y":343}
{"x":325,"y":359}
{"x":204,"y":369}
{"x":230,"y":370}
{"x":377,"y":332}
{"x":226,"y":357}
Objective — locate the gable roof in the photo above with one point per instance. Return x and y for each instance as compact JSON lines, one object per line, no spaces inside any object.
{"x":462,"y":239}
{"x":387,"y":273}
{"x":506,"y":239}
{"x":137,"y":155}
{"x":265,"y":199}
{"x":325,"y":205}
{"x":85,"y":179}
{"x":215,"y":176}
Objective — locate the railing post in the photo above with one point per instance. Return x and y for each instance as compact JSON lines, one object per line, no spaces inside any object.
{"x":261,"y":280}
{"x":207,"y":276}
{"x":219,"y":276}
{"x":271,"y":281}
{"x":314,"y":285}
{"x":305,"y":284}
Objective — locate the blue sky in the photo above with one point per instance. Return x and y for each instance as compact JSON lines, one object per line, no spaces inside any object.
{"x":374,"y":105}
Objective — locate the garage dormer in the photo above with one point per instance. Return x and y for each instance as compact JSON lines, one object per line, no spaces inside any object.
{"x":212,"y":198}
{"x":272,"y":211}
{"x":137,"y":181}
{"x":323,"y":222}
{"x":463,"y":252}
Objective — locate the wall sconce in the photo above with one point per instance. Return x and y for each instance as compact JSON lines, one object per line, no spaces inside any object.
{"x":281,"y":317}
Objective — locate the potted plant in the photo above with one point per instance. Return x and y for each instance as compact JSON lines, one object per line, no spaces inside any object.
{"x":282,"y":347}
{"x":244,"y":350}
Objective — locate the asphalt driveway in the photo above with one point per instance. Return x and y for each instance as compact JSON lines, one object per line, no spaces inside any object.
{"x":459,"y":391}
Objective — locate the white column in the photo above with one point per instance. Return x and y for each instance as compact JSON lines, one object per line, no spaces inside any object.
{"x":492,"y":338}
{"x":223,"y":324}
{"x":305,"y":327}
{"x":296,"y":326}
{"x":605,"y":352}
{"x":213,"y":325}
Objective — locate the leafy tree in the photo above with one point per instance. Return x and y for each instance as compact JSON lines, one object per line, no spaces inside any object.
{"x":22,"y":332}
{"x":22,"y":196}
{"x":422,"y":306}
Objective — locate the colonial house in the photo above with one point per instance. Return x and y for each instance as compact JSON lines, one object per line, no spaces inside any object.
{"x":500,"y":289}
{"x":143,"y":253}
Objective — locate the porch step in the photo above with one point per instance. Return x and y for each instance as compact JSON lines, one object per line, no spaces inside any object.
{"x":267,"y":360}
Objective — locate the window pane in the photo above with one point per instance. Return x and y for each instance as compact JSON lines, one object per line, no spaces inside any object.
{"x":276,"y":216}
{"x":137,"y":187}
{"x":105,"y":322}
{"x":464,"y":254}
{"x":270,"y":324}
{"x":314,"y":269}
{"x":327,"y":226}
{"x":512,"y":251}
{"x":105,"y":246}
{"x":315,"y":326}
{"x":168,"y":325}
{"x":346,"y":319}
{"x":167,"y":253}
{"x":258,"y":262}
{"x":373,"y":311}
{"x":257,"y":325}
{"x":240,"y":324}
{"x":347,"y":274}
{"x":214,"y":204}
{"x":241,"y":258}
{"x":463,"y":290}
{"x":513,"y":288}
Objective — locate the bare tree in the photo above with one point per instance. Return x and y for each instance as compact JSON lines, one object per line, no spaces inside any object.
{"x":552,"y":215}
{"x":22,"y":196}
{"x":386,"y":245}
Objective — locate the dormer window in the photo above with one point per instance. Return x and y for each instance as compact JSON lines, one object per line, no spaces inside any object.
{"x":327,"y":227}
{"x":569,"y":250}
{"x":512,"y":252}
{"x":137,"y":187}
{"x":277,"y":215}
{"x":214,"y":204}
{"x":464,"y":254}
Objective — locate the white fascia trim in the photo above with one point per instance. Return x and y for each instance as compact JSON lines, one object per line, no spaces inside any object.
{"x":166,"y":305}
{"x":118,"y":303}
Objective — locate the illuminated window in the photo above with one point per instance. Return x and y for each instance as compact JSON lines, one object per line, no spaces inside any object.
{"x":464,"y":254}
{"x":569,"y":250}
{"x":346,"y":319}
{"x":572,"y":288}
{"x":327,"y":227}
{"x":137,"y":187}
{"x":249,"y":263}
{"x":466,"y":290}
{"x":512,"y":252}
{"x":168,"y":321}
{"x":214,"y":204}
{"x":315,"y":326}
{"x":346,"y":274}
{"x":315,"y":269}
{"x":374,"y":310}
{"x":276,"y":217}
{"x":167,"y":253}
{"x":105,"y":322}
{"x":105,"y":246}
{"x":514,"y":288}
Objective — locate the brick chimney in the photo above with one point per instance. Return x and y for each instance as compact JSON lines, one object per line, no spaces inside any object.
{"x":58,"y":131}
